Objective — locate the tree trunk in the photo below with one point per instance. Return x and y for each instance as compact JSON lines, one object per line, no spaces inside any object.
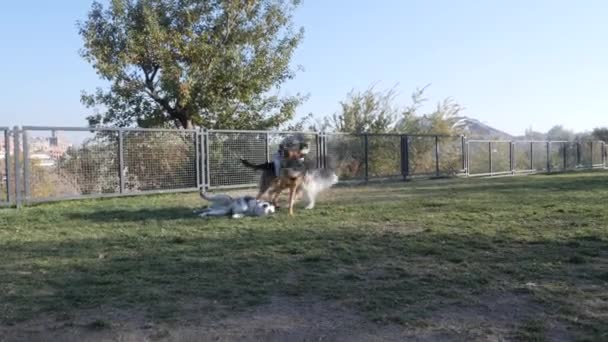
{"x":183,"y":119}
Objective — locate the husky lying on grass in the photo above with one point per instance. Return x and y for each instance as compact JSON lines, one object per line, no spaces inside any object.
{"x":224,"y":205}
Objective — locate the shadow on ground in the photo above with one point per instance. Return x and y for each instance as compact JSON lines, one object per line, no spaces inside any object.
{"x":389,"y":278}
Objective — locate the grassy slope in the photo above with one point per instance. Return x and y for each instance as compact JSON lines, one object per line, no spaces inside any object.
{"x":396,"y":253}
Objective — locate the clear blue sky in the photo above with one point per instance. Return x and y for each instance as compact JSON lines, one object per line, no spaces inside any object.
{"x":513,"y":64}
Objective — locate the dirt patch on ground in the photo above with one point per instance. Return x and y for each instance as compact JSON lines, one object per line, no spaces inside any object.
{"x":502,"y":317}
{"x":281,"y":320}
{"x":498,"y":318}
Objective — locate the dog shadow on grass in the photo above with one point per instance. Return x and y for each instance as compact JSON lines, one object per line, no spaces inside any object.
{"x":135,"y":214}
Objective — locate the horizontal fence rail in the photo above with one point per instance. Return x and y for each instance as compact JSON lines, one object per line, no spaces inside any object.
{"x":42,"y":164}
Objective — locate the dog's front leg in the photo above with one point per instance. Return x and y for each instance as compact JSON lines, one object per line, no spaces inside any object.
{"x":311,"y":200}
{"x":261,"y":194}
{"x":292,"y":198}
{"x":267,"y":193}
{"x":275,"y":198}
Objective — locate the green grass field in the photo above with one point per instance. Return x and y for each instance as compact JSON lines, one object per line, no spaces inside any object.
{"x":516,"y":258}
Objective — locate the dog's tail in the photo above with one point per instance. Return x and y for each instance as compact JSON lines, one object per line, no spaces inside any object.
{"x":263,"y":166}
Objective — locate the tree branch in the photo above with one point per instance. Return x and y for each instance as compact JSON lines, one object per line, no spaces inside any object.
{"x":150,"y":89}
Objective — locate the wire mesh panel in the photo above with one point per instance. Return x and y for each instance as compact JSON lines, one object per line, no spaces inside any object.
{"x":384,"y":155}
{"x":570,"y":155}
{"x":346,"y":155}
{"x":602,"y":153}
{"x":586,"y":154}
{"x":596,"y":153}
{"x":159,"y":160}
{"x":450,"y":155}
{"x":478,"y":157}
{"x":4,"y":165}
{"x":539,"y":157}
{"x":225,"y":148}
{"x":521,"y":155}
{"x":70,"y":163}
{"x":421,"y":155}
{"x":501,"y":156}
{"x":556,"y":155}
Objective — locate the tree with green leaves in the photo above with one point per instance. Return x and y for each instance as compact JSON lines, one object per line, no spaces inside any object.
{"x":370,"y":111}
{"x":600,"y":133}
{"x":375,"y":111}
{"x":558,"y":132}
{"x":442,"y":120}
{"x":186,"y":63}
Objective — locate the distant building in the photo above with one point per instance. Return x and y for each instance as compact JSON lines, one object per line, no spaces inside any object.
{"x":45,"y":150}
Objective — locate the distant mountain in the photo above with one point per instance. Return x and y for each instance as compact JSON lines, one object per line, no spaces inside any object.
{"x":475,"y":129}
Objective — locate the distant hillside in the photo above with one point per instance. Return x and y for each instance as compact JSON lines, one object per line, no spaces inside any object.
{"x":475,"y":129}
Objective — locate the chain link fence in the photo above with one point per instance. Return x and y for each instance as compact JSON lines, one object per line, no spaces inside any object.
{"x":156,"y":160}
{"x":40,"y":164}
{"x":382,"y":159}
{"x":346,"y":154}
{"x":491,"y":158}
{"x":66,"y":162}
{"x":226,"y":148}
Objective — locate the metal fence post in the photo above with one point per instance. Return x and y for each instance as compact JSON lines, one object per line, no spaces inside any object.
{"x":511,"y":161}
{"x":437,"y":156}
{"x":591,"y":153}
{"x":603,"y":154}
{"x":121,"y":161}
{"x":565,"y":155}
{"x":462,"y":152}
{"x":468,"y":156}
{"x":26,"y":165}
{"x":365,"y":142}
{"x":324,"y":150}
{"x":197,"y":148}
{"x":16,"y":154}
{"x":206,"y":158}
{"x":490,"y":157}
{"x":532,"y":156}
{"x":407,"y":155}
{"x":318,"y":149}
{"x":267,"y":145}
{"x":404,"y":157}
{"x":578,"y":154}
{"x":548,"y":156}
{"x":7,"y":165}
